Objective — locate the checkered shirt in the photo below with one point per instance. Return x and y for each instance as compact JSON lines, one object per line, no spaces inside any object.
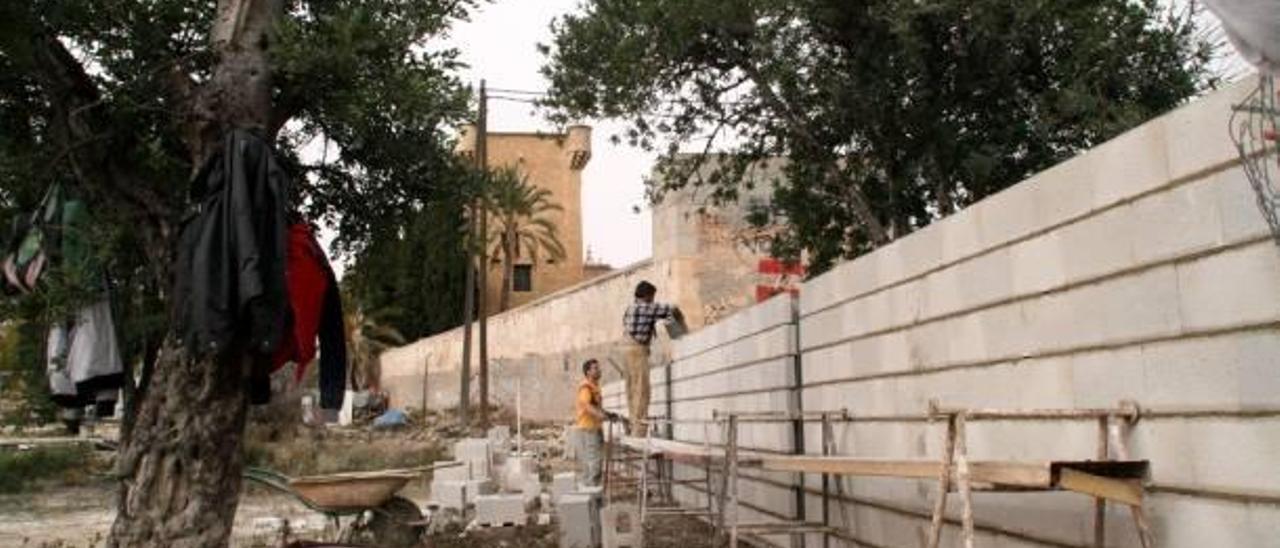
{"x":639,"y":318}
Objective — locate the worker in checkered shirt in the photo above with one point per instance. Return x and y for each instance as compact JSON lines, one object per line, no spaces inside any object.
{"x":638,"y":325}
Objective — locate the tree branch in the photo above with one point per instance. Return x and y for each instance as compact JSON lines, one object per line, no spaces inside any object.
{"x":86,"y":141}
{"x":861,"y":206}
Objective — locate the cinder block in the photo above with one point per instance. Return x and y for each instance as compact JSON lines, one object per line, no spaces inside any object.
{"x":620,"y":526}
{"x":1232,"y":288}
{"x":563,"y":483}
{"x":1100,"y":244}
{"x":1178,"y":221}
{"x":1010,"y":213}
{"x":477,"y":487}
{"x":1128,"y":165}
{"x":579,"y":521}
{"x":1038,"y":264}
{"x":500,"y":509}
{"x":450,"y":494}
{"x":1064,"y":191}
{"x":475,"y":452}
{"x":1194,"y":134}
{"x":1238,"y":206}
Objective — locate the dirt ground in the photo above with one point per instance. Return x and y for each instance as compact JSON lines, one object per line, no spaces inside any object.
{"x":81,"y":515}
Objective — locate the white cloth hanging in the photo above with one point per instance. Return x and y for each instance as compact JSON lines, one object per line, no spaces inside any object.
{"x":84,"y":358}
{"x":1253,"y":26}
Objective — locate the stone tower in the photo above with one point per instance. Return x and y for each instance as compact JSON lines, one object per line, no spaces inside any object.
{"x":553,"y":161}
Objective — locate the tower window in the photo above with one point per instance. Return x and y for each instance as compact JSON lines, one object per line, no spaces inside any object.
{"x":523,"y":278}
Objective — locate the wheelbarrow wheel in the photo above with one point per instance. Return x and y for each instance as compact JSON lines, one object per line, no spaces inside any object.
{"x":391,"y":523}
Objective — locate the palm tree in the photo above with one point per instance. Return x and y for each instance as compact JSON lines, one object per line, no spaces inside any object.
{"x":520,"y":224}
{"x":369,"y":334}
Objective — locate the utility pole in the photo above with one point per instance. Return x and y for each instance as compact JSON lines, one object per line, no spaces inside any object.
{"x":474,"y":241}
{"x":482,"y":157}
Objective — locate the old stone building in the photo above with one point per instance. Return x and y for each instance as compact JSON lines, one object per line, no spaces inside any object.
{"x":553,"y":161}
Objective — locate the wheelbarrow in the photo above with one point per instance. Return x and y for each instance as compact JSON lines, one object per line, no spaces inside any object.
{"x":379,"y":516}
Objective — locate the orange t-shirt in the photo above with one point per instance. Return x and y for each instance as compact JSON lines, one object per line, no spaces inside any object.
{"x":588,"y":397}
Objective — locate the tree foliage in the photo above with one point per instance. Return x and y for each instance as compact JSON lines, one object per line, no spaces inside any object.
{"x":519,"y":225}
{"x":890,"y":114}
{"x":122,"y":100}
{"x":352,"y":88}
{"x":410,"y":277}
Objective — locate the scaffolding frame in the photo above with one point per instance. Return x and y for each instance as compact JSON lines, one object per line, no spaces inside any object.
{"x":1111,"y":477}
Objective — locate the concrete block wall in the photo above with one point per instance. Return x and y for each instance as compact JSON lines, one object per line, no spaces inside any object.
{"x":1140,"y":270}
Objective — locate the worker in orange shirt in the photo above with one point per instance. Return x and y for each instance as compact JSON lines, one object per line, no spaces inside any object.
{"x":590,"y":416}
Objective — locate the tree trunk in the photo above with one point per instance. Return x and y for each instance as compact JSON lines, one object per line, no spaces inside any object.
{"x":180,"y":469}
{"x":508,"y":274}
{"x":180,"y":466}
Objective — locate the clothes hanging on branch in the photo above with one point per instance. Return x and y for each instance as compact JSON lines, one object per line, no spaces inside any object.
{"x":229,"y":276}
{"x":316,"y":310}
{"x":84,"y":360}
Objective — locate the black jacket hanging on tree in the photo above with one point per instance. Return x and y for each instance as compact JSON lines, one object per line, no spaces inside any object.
{"x":229,"y":278}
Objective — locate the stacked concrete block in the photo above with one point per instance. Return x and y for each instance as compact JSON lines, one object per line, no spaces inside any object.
{"x":449,"y":493}
{"x":476,"y":454}
{"x":579,"y":520}
{"x":477,"y":487}
{"x":499,"y":445}
{"x":500,"y":510}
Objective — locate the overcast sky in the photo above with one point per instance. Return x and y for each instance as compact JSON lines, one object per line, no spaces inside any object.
{"x":499,"y":45}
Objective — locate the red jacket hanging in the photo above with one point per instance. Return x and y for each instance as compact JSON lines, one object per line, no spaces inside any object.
{"x":316,"y":307}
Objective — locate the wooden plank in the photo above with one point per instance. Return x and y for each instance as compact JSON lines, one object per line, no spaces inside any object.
{"x":852,"y":466}
{"x":1120,"y":490}
{"x":1037,"y":475}
{"x":998,"y":473}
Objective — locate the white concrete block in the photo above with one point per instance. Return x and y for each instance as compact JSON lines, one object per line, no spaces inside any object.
{"x":961,"y":236}
{"x":1235,"y":287}
{"x":579,"y":521}
{"x":1098,"y":245}
{"x":563,"y":483}
{"x":1196,"y":133}
{"x":1128,"y":165}
{"x":477,"y":487}
{"x":921,"y":251}
{"x":1136,"y":306}
{"x":1177,"y":222}
{"x":1237,"y":206}
{"x":449,"y":493}
{"x":1061,"y":193}
{"x":1006,"y":215}
{"x":501,"y":509}
{"x":1038,"y":264}
{"x":475,"y":452}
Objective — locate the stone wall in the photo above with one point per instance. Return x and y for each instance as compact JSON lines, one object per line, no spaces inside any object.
{"x":1140,"y":270}
{"x":540,"y":346}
